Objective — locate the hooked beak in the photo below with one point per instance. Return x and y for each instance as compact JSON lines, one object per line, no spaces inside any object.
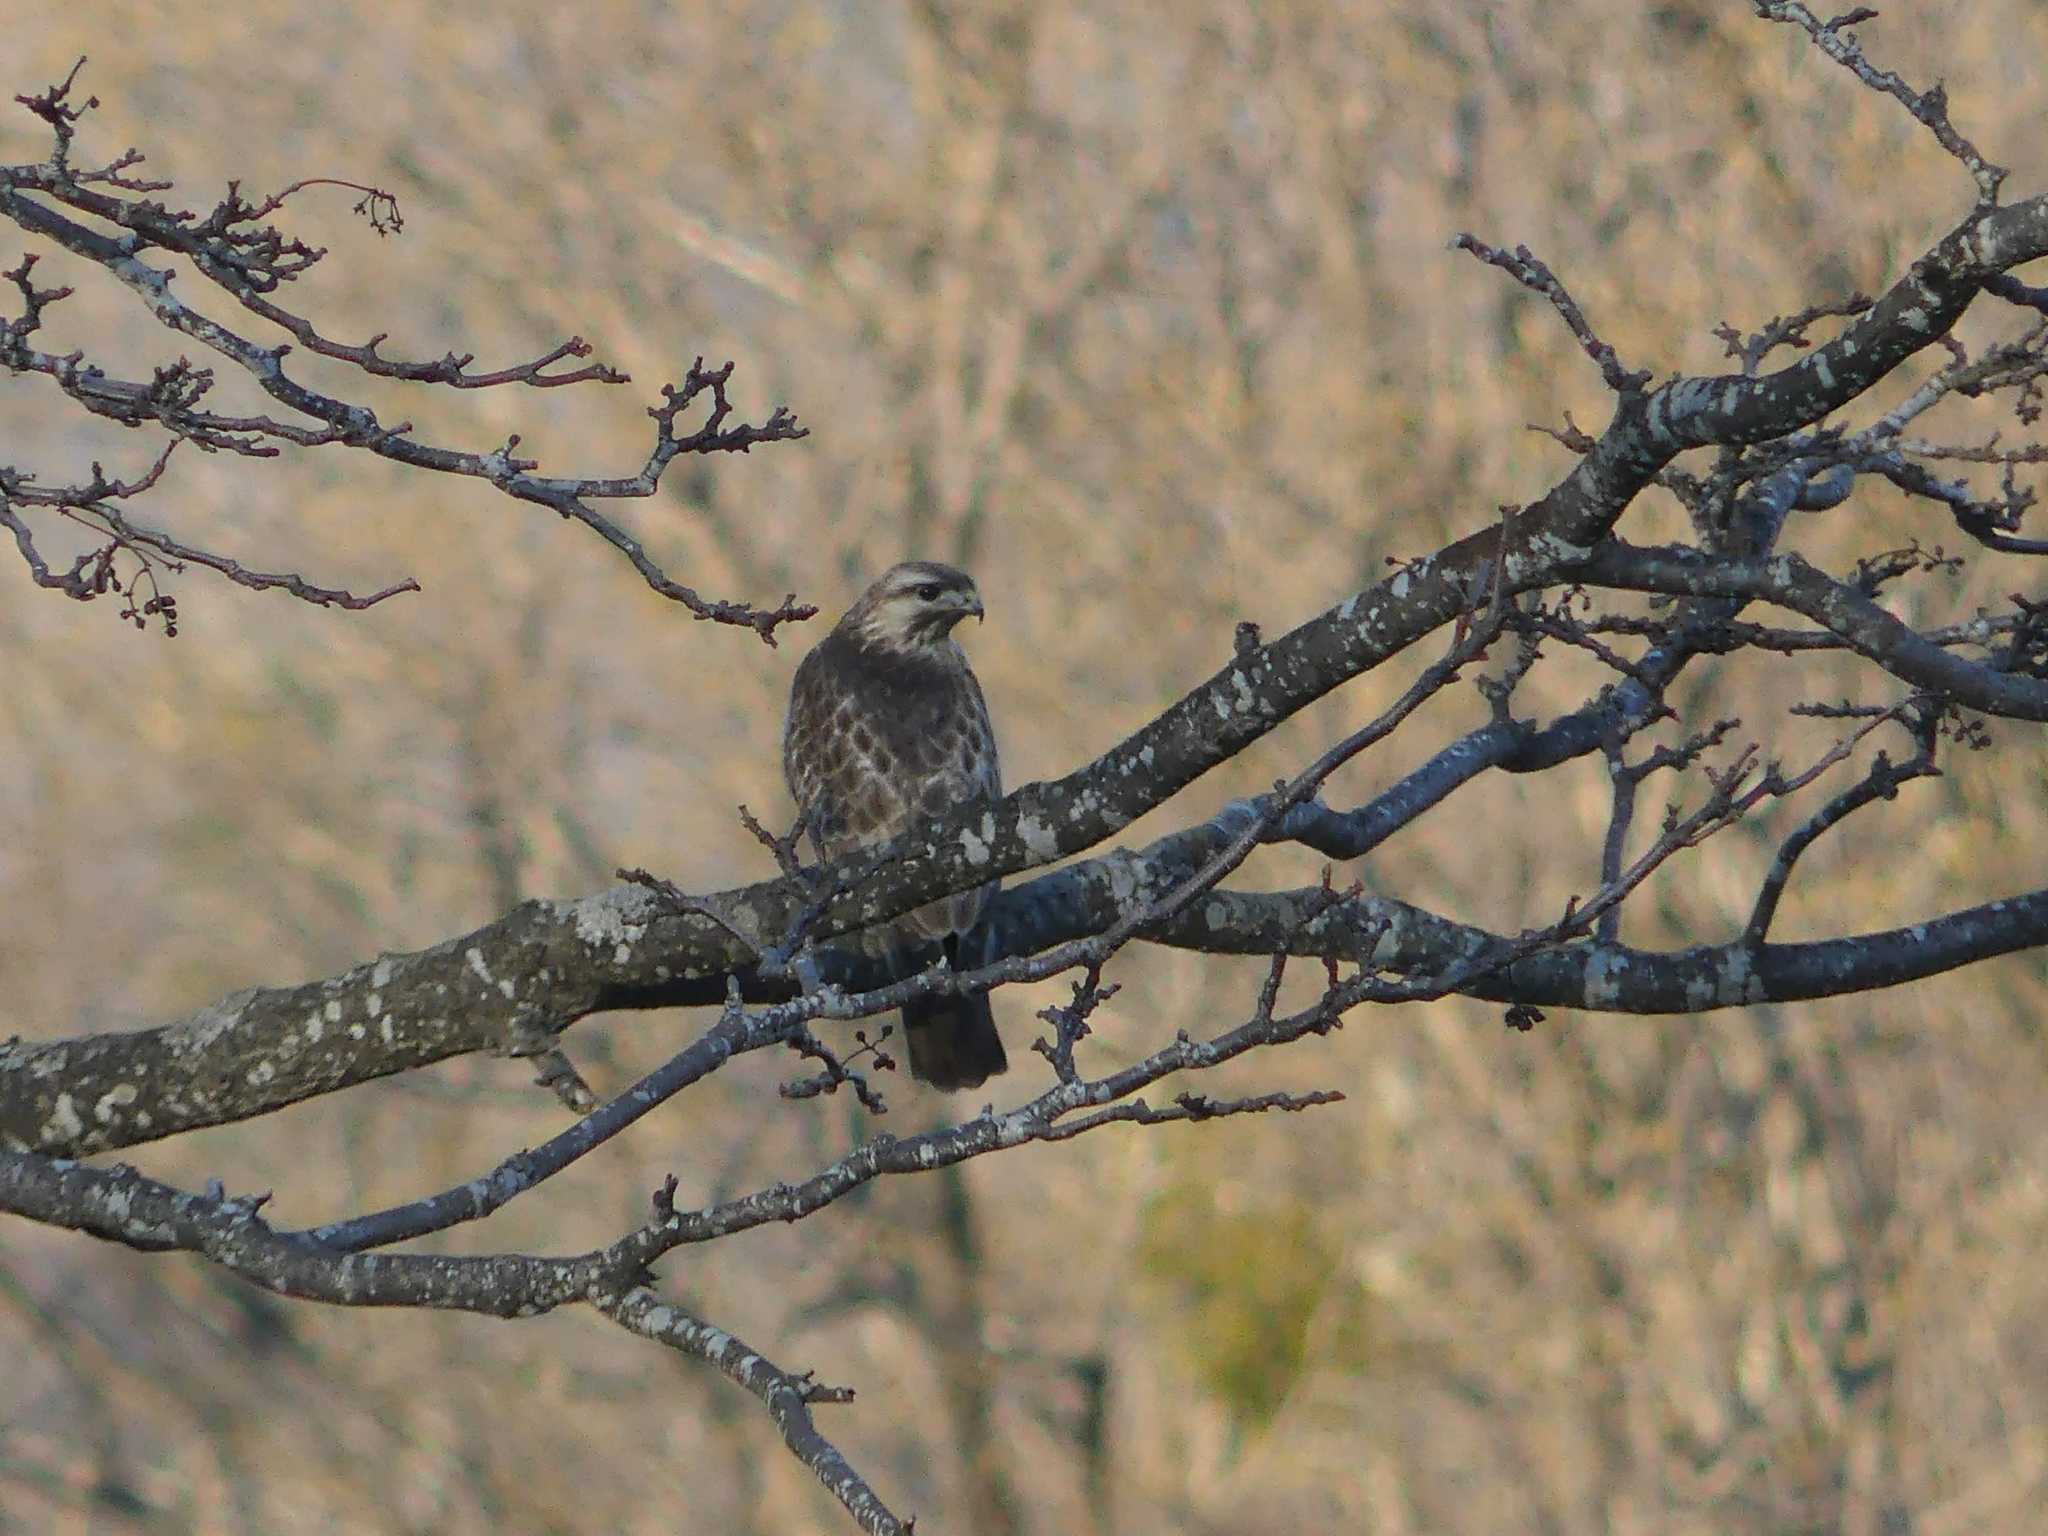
{"x":974,"y":607}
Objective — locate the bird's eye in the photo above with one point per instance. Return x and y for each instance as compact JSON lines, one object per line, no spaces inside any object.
{"x":928,"y":593}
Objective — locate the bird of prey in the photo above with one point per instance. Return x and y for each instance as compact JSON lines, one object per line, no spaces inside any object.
{"x":886,"y":727}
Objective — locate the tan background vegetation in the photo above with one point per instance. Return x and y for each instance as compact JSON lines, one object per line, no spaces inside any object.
{"x":1142,"y":312}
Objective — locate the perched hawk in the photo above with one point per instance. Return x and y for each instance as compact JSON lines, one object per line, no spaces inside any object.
{"x":886,"y":727}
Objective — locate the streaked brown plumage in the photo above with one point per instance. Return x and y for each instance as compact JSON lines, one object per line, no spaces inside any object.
{"x":886,"y":727}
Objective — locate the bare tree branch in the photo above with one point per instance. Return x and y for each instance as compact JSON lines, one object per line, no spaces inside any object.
{"x":787,"y":1397}
{"x":1929,"y":107}
{"x":248,"y":260}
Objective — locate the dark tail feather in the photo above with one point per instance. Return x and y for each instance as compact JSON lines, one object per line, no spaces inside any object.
{"x":953,"y":1041}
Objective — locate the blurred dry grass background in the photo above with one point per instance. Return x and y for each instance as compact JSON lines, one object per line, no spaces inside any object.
{"x":1142,"y":311}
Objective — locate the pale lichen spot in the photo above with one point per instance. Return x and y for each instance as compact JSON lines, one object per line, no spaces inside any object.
{"x":1555,"y":547}
{"x":374,"y":1004}
{"x":1122,"y":868}
{"x":610,"y":919}
{"x":63,"y":1122}
{"x":622,"y":954}
{"x":1738,"y":981}
{"x":380,"y":974}
{"x":1038,"y":838}
{"x":261,"y":1073}
{"x":333,"y":1011}
{"x":1605,"y":972}
{"x":384,"y":1029}
{"x":475,"y":956}
{"x":357,"y":1032}
{"x":1247,"y":701}
{"x":120,"y":1096}
{"x":315,"y":1027}
{"x":975,"y":847}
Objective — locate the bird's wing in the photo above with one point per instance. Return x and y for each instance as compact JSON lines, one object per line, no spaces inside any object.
{"x":837,"y":759}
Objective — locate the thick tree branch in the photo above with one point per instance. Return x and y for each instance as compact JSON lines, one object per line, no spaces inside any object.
{"x":1615,"y":978}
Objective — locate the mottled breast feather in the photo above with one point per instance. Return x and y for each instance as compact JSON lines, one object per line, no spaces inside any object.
{"x":879,"y":739}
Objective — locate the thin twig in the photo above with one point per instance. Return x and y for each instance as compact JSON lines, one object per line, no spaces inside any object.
{"x":1532,"y":274}
{"x":787,"y":1396}
{"x":1929,"y":107}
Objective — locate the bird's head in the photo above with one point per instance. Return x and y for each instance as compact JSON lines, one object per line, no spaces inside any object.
{"x":914,"y":606}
